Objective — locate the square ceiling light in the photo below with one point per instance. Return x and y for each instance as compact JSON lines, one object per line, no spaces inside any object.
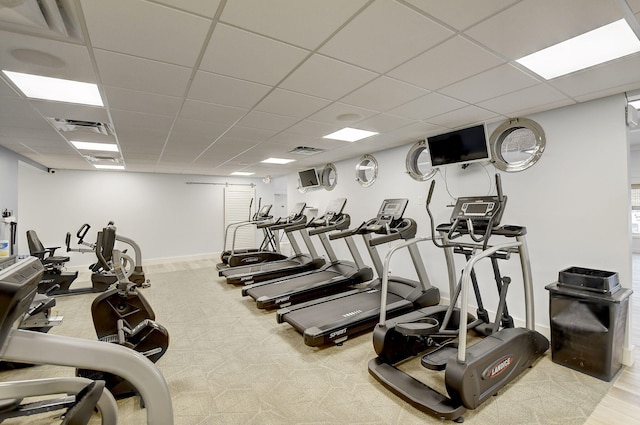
{"x":93,"y":146}
{"x":242,"y":173}
{"x":601,"y":45}
{"x":108,"y":167}
{"x":277,"y":161}
{"x":348,"y":134}
{"x":48,"y":88}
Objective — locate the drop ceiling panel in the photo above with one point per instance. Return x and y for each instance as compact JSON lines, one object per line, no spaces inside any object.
{"x":211,"y":112}
{"x":52,"y":58}
{"x":494,"y":82}
{"x":383,"y":93}
{"x":599,"y":78}
{"x":141,"y":74}
{"x":385,"y":35}
{"x":214,"y":88}
{"x":241,"y":54}
{"x":327,"y":78}
{"x":302,"y":23}
{"x":532,"y":26}
{"x":313,"y":128}
{"x":178,"y":40}
{"x":145,"y":102}
{"x":249,"y":134}
{"x":508,"y":104}
{"x":342,"y":115}
{"x":205,"y":8}
{"x":267,"y":121}
{"x":17,"y":112}
{"x":635,"y":5}
{"x":5,"y":89}
{"x":467,"y":116}
{"x":447,"y":63}
{"x":288,"y":103}
{"x":461,"y":14}
{"x":427,"y":106}
{"x":383,"y":123}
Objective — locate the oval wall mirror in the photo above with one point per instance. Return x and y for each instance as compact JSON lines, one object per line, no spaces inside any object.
{"x":367,"y":170}
{"x":517,"y":144}
{"x":418,"y":162}
{"x":329,"y":176}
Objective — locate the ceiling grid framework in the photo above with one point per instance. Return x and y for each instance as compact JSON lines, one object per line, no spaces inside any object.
{"x":213,"y":87}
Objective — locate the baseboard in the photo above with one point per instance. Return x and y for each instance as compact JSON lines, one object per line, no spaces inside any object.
{"x":628,"y":355}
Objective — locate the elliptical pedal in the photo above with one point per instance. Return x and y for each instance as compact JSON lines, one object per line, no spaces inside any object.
{"x":438,"y":358}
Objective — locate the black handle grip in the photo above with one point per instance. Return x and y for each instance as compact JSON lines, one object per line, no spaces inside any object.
{"x":384,"y":239}
{"x":431,"y":188}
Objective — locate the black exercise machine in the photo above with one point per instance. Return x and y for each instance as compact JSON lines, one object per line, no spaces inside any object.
{"x":335,"y":276}
{"x":472,"y":373}
{"x":333,"y":319}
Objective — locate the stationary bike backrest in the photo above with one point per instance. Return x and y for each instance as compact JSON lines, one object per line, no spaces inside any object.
{"x":104,"y":246}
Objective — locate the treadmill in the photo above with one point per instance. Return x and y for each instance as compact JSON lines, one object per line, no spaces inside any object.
{"x":333,"y":319}
{"x":297,"y":263}
{"x":335,"y":276}
{"x":269,"y":250}
{"x":261,"y":216}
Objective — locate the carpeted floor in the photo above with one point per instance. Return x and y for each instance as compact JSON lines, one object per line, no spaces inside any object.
{"x":230,"y":363}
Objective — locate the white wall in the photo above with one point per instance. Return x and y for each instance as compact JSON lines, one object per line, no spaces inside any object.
{"x":634,"y":171}
{"x":574,"y":201}
{"x":166,"y":216}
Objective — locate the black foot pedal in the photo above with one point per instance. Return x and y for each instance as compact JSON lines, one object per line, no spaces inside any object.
{"x":437,"y":359}
{"x":82,"y":410}
{"x":422,"y":327}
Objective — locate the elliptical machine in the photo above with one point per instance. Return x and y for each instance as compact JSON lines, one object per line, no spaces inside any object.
{"x":122,"y":315}
{"x":103,"y":276}
{"x":474,"y":373}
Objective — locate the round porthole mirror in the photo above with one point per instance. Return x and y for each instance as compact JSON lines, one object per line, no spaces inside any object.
{"x":418,"y":162}
{"x":366,"y":170}
{"x":329,"y":176}
{"x":517,"y":144}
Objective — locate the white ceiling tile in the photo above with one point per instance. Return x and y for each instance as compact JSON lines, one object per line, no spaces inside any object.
{"x":141,"y":74}
{"x":385,"y":35}
{"x":214,"y":88}
{"x":145,"y":102}
{"x":51,"y":58}
{"x":288,"y":103}
{"x":17,"y":112}
{"x":210,"y":112}
{"x":267,"y":121}
{"x":241,"y":54}
{"x":383,"y":93}
{"x":6,"y":90}
{"x":206,"y":8}
{"x":523,"y":23}
{"x":313,"y":128}
{"x":249,"y":134}
{"x":634,"y":5}
{"x":383,"y":123}
{"x":506,"y":105}
{"x":327,"y":78}
{"x":601,"y":77}
{"x":136,"y":130}
{"x":302,"y":23}
{"x":494,"y":82}
{"x":447,"y":63}
{"x":427,"y":106}
{"x":463,"y":117}
{"x":138,"y":32}
{"x":461,"y":14}
{"x":341,"y":114}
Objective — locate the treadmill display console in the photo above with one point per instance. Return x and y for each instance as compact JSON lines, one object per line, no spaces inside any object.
{"x":393,"y":208}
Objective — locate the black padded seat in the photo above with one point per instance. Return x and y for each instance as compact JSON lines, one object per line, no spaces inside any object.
{"x":46,"y":255}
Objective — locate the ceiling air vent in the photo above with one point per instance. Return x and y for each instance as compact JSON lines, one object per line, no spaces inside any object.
{"x":67,"y":125}
{"x":48,"y":17}
{"x":306,"y":150}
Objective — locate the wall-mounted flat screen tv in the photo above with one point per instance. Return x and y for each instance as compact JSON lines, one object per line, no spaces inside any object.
{"x":309,"y":178}
{"x":459,"y":147}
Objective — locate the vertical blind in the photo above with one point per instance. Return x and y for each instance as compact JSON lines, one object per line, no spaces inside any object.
{"x":236,"y":209}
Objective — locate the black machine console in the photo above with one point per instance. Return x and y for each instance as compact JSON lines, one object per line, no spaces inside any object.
{"x":389,"y":216}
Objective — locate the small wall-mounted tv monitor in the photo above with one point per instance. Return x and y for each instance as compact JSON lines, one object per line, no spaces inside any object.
{"x":309,"y":178}
{"x":459,"y":147}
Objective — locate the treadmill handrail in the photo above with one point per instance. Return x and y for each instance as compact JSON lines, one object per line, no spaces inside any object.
{"x":344,"y":221}
{"x":385,"y":238}
{"x":290,"y":226}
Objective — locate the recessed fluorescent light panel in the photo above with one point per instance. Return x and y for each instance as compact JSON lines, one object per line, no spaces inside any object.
{"x":592,"y":48}
{"x":47,"y":88}
{"x":92,"y":146}
{"x":242,"y":173}
{"x":277,"y":161}
{"x":108,"y":167}
{"x":348,"y":134}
